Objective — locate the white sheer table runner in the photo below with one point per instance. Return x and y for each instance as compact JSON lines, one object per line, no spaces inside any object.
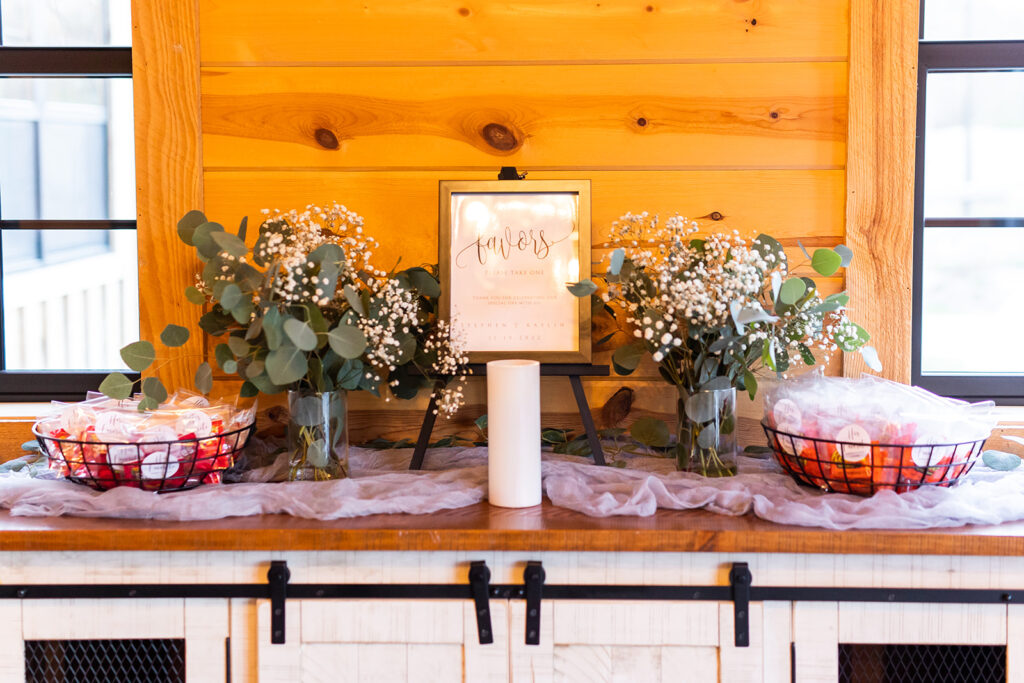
{"x":457,"y":477}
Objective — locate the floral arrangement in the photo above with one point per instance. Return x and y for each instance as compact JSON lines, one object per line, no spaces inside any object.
{"x":305,"y":310}
{"x":712,"y":311}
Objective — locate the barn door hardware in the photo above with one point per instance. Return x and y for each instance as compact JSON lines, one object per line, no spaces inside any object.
{"x":479,"y":586}
{"x":278,"y":589}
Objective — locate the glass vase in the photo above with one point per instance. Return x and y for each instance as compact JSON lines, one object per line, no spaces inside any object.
{"x":317,"y":435}
{"x":706,"y":432}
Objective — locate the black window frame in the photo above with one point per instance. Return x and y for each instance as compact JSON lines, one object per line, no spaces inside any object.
{"x":57,"y":62}
{"x":956,"y":57}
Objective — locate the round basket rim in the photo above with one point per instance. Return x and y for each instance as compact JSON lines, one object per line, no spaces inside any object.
{"x":198,"y":439}
{"x":768,"y":427}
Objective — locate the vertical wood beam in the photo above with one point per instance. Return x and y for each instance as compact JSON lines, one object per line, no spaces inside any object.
{"x":880,"y":178}
{"x":168,"y":169}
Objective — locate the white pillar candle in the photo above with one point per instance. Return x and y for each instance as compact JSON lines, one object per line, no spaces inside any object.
{"x":513,"y":433}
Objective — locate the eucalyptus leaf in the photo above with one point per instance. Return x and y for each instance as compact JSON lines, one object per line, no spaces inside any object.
{"x":153,"y":388}
{"x":242,"y":228}
{"x":424,"y":283}
{"x":286,"y":365}
{"x":229,"y":243}
{"x":1000,"y":460}
{"x":222,"y":353}
{"x":194,"y":296}
{"x":481,"y":423}
{"x":625,"y":359}
{"x":174,"y":335}
{"x":791,"y":290}
{"x":204,"y":378}
{"x":300,"y":334}
{"x":754,"y":314}
{"x":826,"y":262}
{"x":716,"y":384}
{"x":202,"y":239}
{"x":750,"y":383}
{"x":255,"y":368}
{"x":582,"y":288}
{"x":138,"y":355}
{"x":845,"y":253}
{"x":238,"y":346}
{"x":307,"y":411}
{"x":700,"y":407}
{"x":116,"y":385}
{"x":242,"y":313}
{"x":148,"y":403}
{"x":348,"y":341}
{"x":230,"y":367}
{"x":707,"y":437}
{"x":231,"y":296}
{"x":806,"y":355}
{"x":870,"y":356}
{"x":650,"y":432}
{"x":615,"y":262}
{"x":248,"y":390}
{"x":354,"y":300}
{"x":214,"y":323}
{"x":851,"y":343}
{"x":316,"y":454}
{"x":770,"y":249}
{"x":273,"y":328}
{"x":188,"y":224}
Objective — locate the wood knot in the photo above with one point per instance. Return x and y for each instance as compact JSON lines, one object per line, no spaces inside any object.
{"x":464,"y":11}
{"x":641,"y":122}
{"x":774,"y":114}
{"x":499,"y":137}
{"x":715,"y":216}
{"x":649,"y":8}
{"x":753,"y":22}
{"x":326,"y":138}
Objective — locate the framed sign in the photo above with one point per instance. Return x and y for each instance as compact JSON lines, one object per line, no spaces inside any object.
{"x":507,"y":250}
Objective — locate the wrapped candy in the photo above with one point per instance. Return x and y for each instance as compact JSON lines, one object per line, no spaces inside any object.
{"x":185,"y":442}
{"x":863,"y":435}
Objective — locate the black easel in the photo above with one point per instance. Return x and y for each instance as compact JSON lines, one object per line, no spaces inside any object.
{"x":574,"y":371}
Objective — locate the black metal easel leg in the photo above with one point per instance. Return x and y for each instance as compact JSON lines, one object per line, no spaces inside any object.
{"x":588,"y":419}
{"x":424,"y":438}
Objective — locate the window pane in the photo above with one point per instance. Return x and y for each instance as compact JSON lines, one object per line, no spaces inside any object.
{"x":68,"y":148}
{"x":974,"y":143}
{"x":973,"y":20}
{"x":70,"y":310}
{"x":970,"y":321}
{"x":62,"y":23}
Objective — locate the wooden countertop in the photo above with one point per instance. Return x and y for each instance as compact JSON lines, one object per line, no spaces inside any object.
{"x":482,"y":527}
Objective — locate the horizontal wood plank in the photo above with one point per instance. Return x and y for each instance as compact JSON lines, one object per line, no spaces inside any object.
{"x":527,"y":31}
{"x":783,"y":115}
{"x":483,"y":527}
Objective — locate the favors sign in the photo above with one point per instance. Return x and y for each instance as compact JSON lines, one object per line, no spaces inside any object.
{"x":507,"y":251}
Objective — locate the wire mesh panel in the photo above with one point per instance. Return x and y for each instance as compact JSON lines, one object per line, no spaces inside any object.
{"x":922,"y":663}
{"x":151,"y":660}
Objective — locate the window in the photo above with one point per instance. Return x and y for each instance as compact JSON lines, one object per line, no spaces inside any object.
{"x":969,"y":200}
{"x":68,"y":264}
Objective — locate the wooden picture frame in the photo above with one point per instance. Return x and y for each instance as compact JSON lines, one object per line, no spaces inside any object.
{"x":532,"y":238}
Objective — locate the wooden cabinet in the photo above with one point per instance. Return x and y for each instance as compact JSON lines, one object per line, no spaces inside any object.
{"x":201,"y":625}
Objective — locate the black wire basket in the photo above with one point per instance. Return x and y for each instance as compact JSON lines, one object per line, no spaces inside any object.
{"x":866,"y":468}
{"x":160,"y":466}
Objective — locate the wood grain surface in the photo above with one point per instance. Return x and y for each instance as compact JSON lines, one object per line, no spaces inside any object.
{"x":398,"y":31}
{"x":880,"y":178}
{"x":483,"y":527}
{"x":640,"y":116}
{"x":168,"y":153}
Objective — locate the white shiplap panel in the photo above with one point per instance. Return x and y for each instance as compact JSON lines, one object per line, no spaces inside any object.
{"x":383,"y":621}
{"x":816,"y":634}
{"x":925,"y":623}
{"x":95,"y":618}
{"x":622,"y":622}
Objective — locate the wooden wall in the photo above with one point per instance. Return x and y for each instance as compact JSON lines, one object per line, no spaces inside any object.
{"x":732,"y":108}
